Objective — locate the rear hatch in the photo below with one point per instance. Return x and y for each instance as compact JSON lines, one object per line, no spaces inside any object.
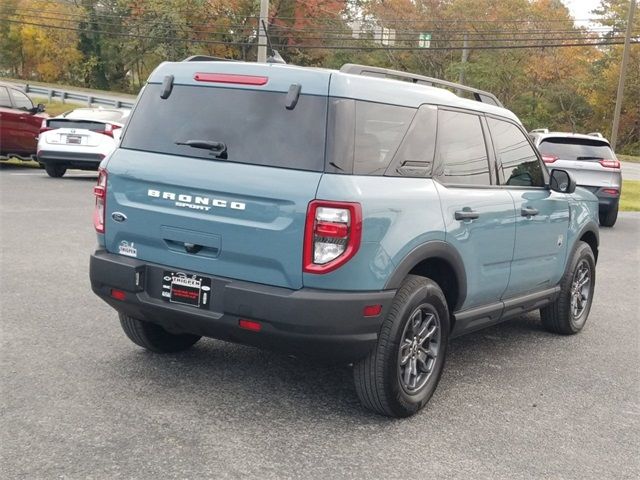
{"x":71,"y":132}
{"x":240,"y":214}
{"x":590,"y":160}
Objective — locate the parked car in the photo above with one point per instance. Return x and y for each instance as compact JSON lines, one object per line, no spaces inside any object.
{"x":80,"y":138}
{"x":20,"y":123}
{"x":590,"y":160}
{"x":316,"y":212}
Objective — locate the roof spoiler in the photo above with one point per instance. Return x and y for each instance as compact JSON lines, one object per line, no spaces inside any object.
{"x":207,"y":58}
{"x":540,"y":130}
{"x":365,"y":70}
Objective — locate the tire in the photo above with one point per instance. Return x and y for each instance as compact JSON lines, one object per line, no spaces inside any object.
{"x":381,"y":378}
{"x":155,"y":338}
{"x":568,"y":314}
{"x":608,"y":217}
{"x":55,"y":171}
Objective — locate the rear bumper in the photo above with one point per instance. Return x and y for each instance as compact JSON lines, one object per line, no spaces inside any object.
{"x":82,"y":160}
{"x":321,"y":323}
{"x":607,"y":200}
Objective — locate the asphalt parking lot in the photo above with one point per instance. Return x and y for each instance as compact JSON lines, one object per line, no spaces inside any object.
{"x":80,"y":401}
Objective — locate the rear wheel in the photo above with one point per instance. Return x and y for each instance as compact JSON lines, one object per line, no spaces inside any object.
{"x":608,"y":217}
{"x":568,"y":314}
{"x":55,"y":171}
{"x":400,"y":374}
{"x":153,"y":337}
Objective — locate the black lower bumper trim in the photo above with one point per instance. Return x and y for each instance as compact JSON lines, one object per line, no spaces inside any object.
{"x":321,"y":323}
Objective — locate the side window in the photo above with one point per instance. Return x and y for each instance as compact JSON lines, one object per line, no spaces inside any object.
{"x":461,"y":156}
{"x":21,"y":100}
{"x":415,"y":155}
{"x":4,"y":98}
{"x":379,"y":131}
{"x":518,"y":164}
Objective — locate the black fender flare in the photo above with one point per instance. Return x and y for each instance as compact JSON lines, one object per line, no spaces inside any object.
{"x":432,"y":249}
{"x":591,"y":227}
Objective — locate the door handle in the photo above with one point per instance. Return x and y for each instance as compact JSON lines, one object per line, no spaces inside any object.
{"x":529,"y":212}
{"x":466,"y":214}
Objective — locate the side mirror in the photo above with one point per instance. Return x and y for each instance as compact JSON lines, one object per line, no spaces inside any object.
{"x":40,"y":108}
{"x":562,"y":181}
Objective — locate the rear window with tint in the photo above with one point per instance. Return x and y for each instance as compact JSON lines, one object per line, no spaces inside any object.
{"x":254,"y":125}
{"x":576,"y":148}
{"x":64,"y":123}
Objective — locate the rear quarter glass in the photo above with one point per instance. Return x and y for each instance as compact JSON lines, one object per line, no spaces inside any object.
{"x":255,"y":125}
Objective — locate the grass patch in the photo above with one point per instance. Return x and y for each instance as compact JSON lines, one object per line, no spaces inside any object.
{"x":55,"y":107}
{"x":630,"y":199}
{"x":628,"y":158}
{"x":20,"y":163}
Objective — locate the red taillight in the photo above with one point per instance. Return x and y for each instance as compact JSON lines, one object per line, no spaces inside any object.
{"x":610,"y":191}
{"x":100,"y":192}
{"x":43,"y":126}
{"x":118,"y":294}
{"x":610,"y":163}
{"x":249,"y":325}
{"x":372,"y":310}
{"x":332,"y":235}
{"x":230,"y":78}
{"x":549,"y":158}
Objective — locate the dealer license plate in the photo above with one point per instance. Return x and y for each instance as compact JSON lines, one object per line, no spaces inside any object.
{"x":186,"y":288}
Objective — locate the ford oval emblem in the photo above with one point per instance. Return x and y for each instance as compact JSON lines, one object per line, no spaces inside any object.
{"x":118,"y":217}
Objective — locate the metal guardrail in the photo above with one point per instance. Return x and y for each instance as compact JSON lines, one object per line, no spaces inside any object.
{"x":76,"y":96}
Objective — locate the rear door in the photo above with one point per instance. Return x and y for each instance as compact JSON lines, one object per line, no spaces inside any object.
{"x":240,"y":215}
{"x":27,"y":125}
{"x":542,"y":216}
{"x":478,"y":215}
{"x":581,"y":157}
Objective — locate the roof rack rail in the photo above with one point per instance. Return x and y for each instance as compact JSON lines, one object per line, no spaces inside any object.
{"x":207,"y":58}
{"x":479,"y":95}
{"x":540,"y":130}
{"x":595,"y":134}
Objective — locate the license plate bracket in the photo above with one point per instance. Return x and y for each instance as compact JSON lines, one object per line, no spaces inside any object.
{"x":186,"y":289}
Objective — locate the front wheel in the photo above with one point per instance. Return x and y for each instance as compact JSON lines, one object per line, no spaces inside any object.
{"x":153,"y":337}
{"x":568,"y":314}
{"x":400,"y":374}
{"x":55,"y":171}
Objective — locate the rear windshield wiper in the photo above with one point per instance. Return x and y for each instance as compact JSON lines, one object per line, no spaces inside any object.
{"x":218,"y":149}
{"x":590,"y":158}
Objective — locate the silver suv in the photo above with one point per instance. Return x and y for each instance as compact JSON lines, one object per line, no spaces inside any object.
{"x":590,"y":160}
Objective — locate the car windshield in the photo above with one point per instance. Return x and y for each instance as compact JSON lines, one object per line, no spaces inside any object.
{"x":567,"y":148}
{"x":99,"y":115}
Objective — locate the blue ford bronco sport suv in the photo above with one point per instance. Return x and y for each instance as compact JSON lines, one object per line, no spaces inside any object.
{"x":362,"y":215}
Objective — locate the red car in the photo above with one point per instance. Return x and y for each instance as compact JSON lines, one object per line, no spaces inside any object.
{"x":20,"y":123}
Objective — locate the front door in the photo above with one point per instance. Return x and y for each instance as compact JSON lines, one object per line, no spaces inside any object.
{"x":542,"y":216}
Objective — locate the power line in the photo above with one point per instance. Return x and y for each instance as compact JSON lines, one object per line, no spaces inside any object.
{"x":334,"y":47}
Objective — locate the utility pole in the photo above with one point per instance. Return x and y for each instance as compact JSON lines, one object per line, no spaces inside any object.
{"x":262,"y":35}
{"x":623,"y":72}
{"x":463,"y":62}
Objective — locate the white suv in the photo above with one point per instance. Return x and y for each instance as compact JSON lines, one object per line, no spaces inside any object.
{"x":590,"y":160}
{"x":80,"y":138}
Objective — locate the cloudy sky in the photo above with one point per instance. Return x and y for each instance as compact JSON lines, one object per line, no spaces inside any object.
{"x":581,"y":8}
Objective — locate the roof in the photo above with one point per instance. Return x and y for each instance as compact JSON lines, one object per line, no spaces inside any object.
{"x":319,"y":81}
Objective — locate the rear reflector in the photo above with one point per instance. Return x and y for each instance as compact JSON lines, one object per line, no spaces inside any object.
{"x":249,"y":325}
{"x":372,"y":310}
{"x":610,"y":163}
{"x":230,"y":78}
{"x":610,"y":191}
{"x":118,"y":294}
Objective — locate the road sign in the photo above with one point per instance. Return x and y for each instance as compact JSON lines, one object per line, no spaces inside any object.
{"x":425,"y":40}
